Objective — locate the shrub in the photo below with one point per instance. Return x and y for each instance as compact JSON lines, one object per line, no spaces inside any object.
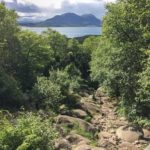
{"x":28,"y":131}
{"x":50,"y":92}
{"x":68,"y":79}
{"x":47,"y":94}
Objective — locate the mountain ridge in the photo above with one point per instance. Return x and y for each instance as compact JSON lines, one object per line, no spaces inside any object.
{"x":67,"y":20}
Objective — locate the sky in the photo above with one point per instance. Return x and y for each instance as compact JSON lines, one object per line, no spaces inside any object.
{"x":37,"y":10}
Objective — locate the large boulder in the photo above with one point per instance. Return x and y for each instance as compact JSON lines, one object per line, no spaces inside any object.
{"x":83,"y":147}
{"x":87,"y":147}
{"x":98,"y":148}
{"x":129,"y":133}
{"x":79,"y":113}
{"x":63,"y":119}
{"x":127,"y":146}
{"x":89,"y":106}
{"x":62,"y":144}
{"x":147,"y":148}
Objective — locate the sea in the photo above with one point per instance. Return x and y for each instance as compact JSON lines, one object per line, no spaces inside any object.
{"x":70,"y":32}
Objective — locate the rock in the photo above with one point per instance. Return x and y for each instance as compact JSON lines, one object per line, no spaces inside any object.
{"x":127,"y":146}
{"x":147,"y":148}
{"x":87,"y":147}
{"x":64,"y":110}
{"x":143,"y":142}
{"x":112,"y":131}
{"x":99,"y":92}
{"x":104,"y":98}
{"x":97,"y":119}
{"x":91,"y":97}
{"x":107,"y":144}
{"x":83,"y":147}
{"x":89,"y":106}
{"x":63,"y":119}
{"x":79,"y":113}
{"x":98,"y":148}
{"x":146,"y":133}
{"x":129,"y":133}
{"x":62,"y":144}
{"x":76,"y":139}
{"x":104,"y":135}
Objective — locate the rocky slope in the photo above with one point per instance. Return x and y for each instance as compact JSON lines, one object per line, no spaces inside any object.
{"x":95,"y":125}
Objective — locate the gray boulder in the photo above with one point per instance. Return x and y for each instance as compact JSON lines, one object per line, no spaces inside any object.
{"x":129,"y":133}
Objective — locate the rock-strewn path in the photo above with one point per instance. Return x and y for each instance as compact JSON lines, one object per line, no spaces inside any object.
{"x":108,"y":130}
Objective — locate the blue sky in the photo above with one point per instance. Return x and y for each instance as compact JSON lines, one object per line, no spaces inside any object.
{"x":43,"y":9}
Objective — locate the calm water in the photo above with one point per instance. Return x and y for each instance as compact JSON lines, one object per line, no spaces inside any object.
{"x":69,"y":31}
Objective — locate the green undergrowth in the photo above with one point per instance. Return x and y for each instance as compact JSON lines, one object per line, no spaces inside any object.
{"x":88,"y":118}
{"x":134,"y":118}
{"x":144,"y":122}
{"x":88,"y":135}
{"x":26,"y":131}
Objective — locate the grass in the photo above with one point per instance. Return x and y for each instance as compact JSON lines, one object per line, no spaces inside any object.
{"x":88,"y":135}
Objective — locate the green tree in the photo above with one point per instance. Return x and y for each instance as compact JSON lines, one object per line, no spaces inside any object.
{"x":9,"y":52}
{"x":91,"y":43}
{"x":10,"y":93}
{"x":80,"y":57}
{"x":58,"y":44}
{"x":36,"y":55}
{"x":126,"y":28}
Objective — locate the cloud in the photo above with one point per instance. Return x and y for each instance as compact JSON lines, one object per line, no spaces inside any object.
{"x":96,"y":8}
{"x":43,"y":9}
{"x":23,"y":7}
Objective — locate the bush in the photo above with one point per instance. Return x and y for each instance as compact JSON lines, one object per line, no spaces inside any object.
{"x":68,"y":79}
{"x":28,"y":131}
{"x":50,"y":92}
{"x":47,"y":94}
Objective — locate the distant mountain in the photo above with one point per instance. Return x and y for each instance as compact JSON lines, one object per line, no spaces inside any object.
{"x":67,"y":20}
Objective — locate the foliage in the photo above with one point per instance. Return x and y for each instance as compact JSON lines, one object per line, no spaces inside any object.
{"x":68,"y":79}
{"x":9,"y":52}
{"x":79,"y":55}
{"x":28,"y":131}
{"x":47,"y":94}
{"x":119,"y":62}
{"x":145,"y":122}
{"x":67,"y":52}
{"x":58,"y":63}
{"x":36,"y":55}
{"x":143,"y":94}
{"x":58,"y":44}
{"x":10,"y":94}
{"x":91,"y":43}
{"x":101,"y":66}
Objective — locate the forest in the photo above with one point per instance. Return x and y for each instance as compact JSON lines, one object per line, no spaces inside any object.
{"x":43,"y":76}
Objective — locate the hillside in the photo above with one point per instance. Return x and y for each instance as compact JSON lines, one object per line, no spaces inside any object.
{"x":68,"y":20}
